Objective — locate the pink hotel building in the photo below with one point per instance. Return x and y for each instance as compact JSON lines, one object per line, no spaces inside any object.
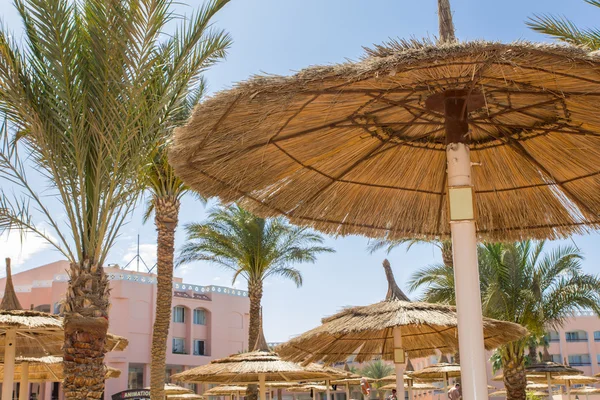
{"x":208,"y":322}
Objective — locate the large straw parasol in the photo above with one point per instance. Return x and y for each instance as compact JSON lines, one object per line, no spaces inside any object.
{"x":384,"y":147}
{"x":46,"y":369}
{"x":31,"y":334}
{"x":259,"y":366}
{"x":394,"y":325}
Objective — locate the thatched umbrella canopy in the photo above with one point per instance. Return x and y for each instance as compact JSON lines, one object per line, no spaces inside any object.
{"x":502,"y":393}
{"x":171,"y":389}
{"x":414,"y":386}
{"x":47,"y":369}
{"x":551,"y":369}
{"x":566,"y":380}
{"x":441,"y":371}
{"x":226,"y":390}
{"x":259,"y":366}
{"x":369,"y":332}
{"x":586,"y":390}
{"x":384,"y":147}
{"x":307,"y":387}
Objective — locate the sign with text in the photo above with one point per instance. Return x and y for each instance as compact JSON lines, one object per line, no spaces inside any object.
{"x":134,"y":394}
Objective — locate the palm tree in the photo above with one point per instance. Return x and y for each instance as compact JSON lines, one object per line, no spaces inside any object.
{"x":252,"y":248}
{"x":521,"y":283}
{"x":92,"y":89}
{"x":377,"y":370}
{"x":166,"y":191}
{"x":565,"y":30}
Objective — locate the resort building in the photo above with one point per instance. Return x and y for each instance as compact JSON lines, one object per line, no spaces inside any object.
{"x":208,"y":322}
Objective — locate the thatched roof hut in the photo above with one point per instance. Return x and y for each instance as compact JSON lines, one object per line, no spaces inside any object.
{"x":367,"y":331}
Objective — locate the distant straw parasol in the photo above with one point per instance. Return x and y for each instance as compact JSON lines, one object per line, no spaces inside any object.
{"x":586,"y":390}
{"x":417,"y":140}
{"x":259,"y":366}
{"x":184,"y":396}
{"x":415,"y":386}
{"x":171,"y":389}
{"x":226,"y":390}
{"x":441,"y":371}
{"x":551,"y":369}
{"x":373,"y":331}
{"x":47,"y":369}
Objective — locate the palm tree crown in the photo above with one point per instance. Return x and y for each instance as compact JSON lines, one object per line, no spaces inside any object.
{"x":252,"y":248}
{"x":565,"y":30}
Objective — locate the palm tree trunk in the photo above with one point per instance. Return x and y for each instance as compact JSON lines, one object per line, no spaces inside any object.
{"x":166,"y":211}
{"x":255,"y":292}
{"x":447,"y":257}
{"x":86,"y":325}
{"x":532,"y":350}
{"x":513,"y":365}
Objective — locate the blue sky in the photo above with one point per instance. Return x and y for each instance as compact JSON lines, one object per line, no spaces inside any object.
{"x":283,"y":36}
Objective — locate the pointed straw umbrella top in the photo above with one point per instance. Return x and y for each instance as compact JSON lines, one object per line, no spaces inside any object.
{"x":368,"y":331}
{"x":248,"y":367}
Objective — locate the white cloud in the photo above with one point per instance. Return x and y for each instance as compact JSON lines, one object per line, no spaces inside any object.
{"x":147,"y":253}
{"x":21,"y":247}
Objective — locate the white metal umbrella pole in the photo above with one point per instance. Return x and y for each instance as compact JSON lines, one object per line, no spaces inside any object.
{"x":399,"y":362}
{"x":464,"y":245}
{"x":9,"y":363}
{"x":24,"y":384}
{"x":262,"y":389}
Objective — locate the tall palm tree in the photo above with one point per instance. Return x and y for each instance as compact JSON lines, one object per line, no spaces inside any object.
{"x":166,"y":191}
{"x":521,"y":283}
{"x":252,"y":248}
{"x":89,"y":92}
{"x":566,"y":30}
{"x":377,"y":370}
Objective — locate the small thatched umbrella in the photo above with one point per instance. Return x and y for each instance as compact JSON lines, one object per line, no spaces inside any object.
{"x":171,"y":389}
{"x":441,"y":371}
{"x":414,"y":386}
{"x":502,"y":393}
{"x":567,"y":380}
{"x":226,"y":390}
{"x":314,"y":388}
{"x":550,"y":369}
{"x":389,"y":329}
{"x":184,"y":396}
{"x":45,"y":369}
{"x":384,"y":147}
{"x":587,"y":390}
{"x":259,"y":366}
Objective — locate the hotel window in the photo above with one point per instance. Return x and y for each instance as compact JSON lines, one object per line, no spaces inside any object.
{"x":553,"y":336}
{"x":135,"y":377}
{"x":199,"y":349}
{"x":598,"y":358}
{"x":179,"y":314}
{"x":178,"y":345}
{"x":199,"y":316}
{"x":597,"y":336}
{"x":577,"y":336}
{"x":579,"y":359}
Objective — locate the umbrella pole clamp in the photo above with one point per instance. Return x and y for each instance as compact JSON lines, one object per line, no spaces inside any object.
{"x":456,"y":105}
